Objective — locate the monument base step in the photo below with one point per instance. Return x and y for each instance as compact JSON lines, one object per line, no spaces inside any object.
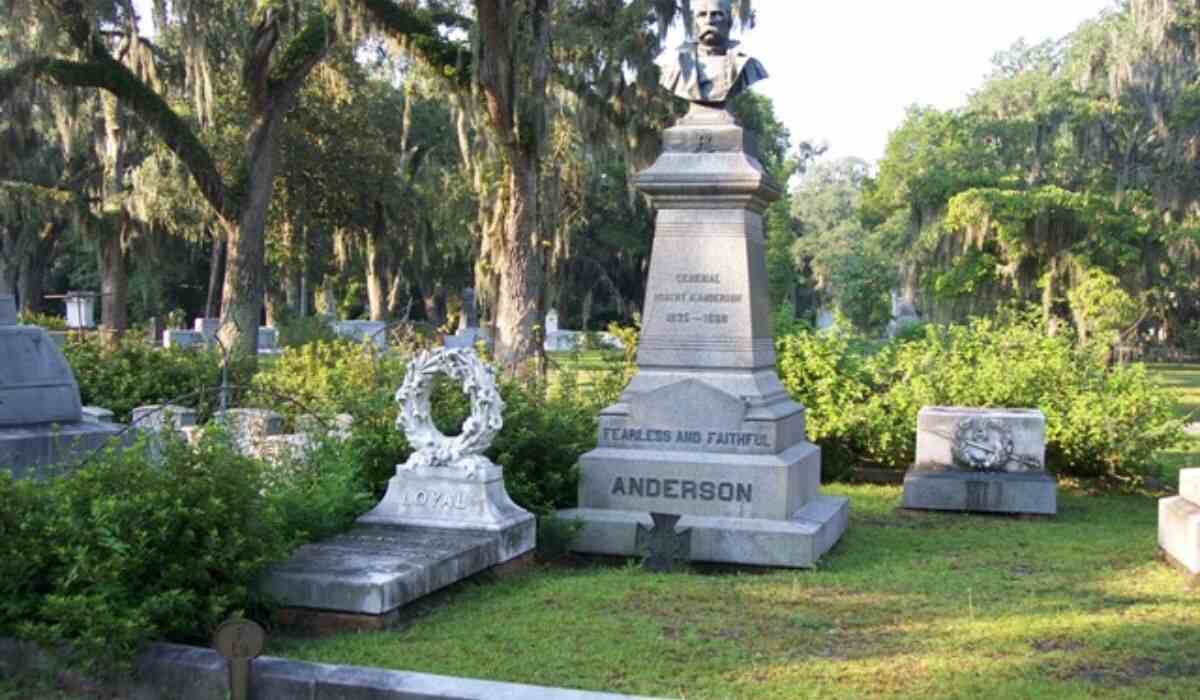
{"x":796,"y":543}
{"x":981,"y":492}
{"x":376,"y":569}
{"x":1179,"y":533}
{"x":42,"y":451}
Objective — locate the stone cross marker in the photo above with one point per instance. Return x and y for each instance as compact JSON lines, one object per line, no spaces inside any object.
{"x":706,"y":430}
{"x":239,"y":642}
{"x":662,"y":545}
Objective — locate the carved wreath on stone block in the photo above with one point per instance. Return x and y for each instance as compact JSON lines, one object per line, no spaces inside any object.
{"x":982,"y":444}
{"x":431,"y":447}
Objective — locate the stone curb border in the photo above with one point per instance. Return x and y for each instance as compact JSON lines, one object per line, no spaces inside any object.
{"x":193,"y":673}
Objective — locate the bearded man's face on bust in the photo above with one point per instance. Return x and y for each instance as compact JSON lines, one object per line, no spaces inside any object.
{"x":714,"y":22}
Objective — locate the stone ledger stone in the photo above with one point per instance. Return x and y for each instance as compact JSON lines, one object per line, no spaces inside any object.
{"x":1179,"y":525}
{"x":990,"y":460}
{"x":706,"y":430}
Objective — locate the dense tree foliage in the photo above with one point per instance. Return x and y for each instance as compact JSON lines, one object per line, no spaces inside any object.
{"x":1070,"y":181}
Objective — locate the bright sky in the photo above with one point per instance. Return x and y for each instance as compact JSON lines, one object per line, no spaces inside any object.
{"x":845,"y":71}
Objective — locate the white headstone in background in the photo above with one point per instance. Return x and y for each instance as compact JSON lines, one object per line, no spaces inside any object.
{"x":182,"y":339}
{"x":268,"y":339}
{"x":552,"y":322}
{"x":208,"y":328}
{"x":81,"y":310}
{"x":363,"y":331}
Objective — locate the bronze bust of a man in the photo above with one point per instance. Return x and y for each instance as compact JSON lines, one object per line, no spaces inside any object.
{"x":710,"y":70}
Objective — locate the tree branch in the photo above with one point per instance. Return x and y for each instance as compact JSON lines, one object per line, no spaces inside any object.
{"x":417,"y":31}
{"x":302,"y":54}
{"x":109,"y":75}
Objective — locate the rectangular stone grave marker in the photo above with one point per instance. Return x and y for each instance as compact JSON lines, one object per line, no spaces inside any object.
{"x":1179,"y":525}
{"x":985,"y":460}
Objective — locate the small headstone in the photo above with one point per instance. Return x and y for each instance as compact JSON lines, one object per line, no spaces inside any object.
{"x":268,"y":339}
{"x":990,"y":460}
{"x":239,"y":642}
{"x":563,"y":341}
{"x":95,"y":414}
{"x":470,"y":315}
{"x":374,"y":332}
{"x":182,"y":339}
{"x":157,"y":418}
{"x":207,"y":328}
{"x":340,"y":426}
{"x":248,"y":427}
{"x":469,"y":334}
{"x":662,"y":546}
{"x":552,"y":322}
{"x":1179,"y":525}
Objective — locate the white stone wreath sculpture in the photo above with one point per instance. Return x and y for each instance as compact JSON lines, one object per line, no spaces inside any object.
{"x":431,"y":447}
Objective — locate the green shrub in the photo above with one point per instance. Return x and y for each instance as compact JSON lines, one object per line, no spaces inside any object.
{"x":25,"y":559}
{"x":321,"y":493}
{"x":122,"y":375}
{"x":50,"y":323}
{"x":295,"y":330}
{"x":863,"y":401}
{"x":125,"y":552}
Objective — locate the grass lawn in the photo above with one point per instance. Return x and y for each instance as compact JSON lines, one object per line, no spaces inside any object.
{"x":1184,"y":382}
{"x":907,"y":606}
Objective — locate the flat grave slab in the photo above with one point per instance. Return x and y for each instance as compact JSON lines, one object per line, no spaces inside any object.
{"x":376,"y":569}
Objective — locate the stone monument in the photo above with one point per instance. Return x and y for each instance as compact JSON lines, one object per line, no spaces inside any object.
{"x":469,"y":332}
{"x":706,"y":430}
{"x":41,"y":415}
{"x":446,"y":514}
{"x":986,"y":460}
{"x":1179,"y":526}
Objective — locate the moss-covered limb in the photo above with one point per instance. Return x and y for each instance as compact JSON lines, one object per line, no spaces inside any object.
{"x":301,"y":55}
{"x":48,"y":197}
{"x":418,"y":30}
{"x":23,"y":72}
{"x":109,"y":75}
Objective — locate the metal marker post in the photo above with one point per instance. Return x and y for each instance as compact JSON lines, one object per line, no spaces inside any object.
{"x":240,"y":642}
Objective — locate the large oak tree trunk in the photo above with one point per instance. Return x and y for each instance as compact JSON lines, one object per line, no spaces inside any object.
{"x":513,"y":71}
{"x":378,"y":272}
{"x":216,"y":276}
{"x":522,"y":272}
{"x":114,"y":284}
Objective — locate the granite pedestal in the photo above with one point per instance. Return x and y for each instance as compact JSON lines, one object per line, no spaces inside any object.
{"x":988,"y":460}
{"x":706,"y":430}
{"x":41,"y":416}
{"x":1179,"y":525}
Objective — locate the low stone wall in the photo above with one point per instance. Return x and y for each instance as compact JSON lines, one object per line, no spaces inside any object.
{"x":192,"y":673}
